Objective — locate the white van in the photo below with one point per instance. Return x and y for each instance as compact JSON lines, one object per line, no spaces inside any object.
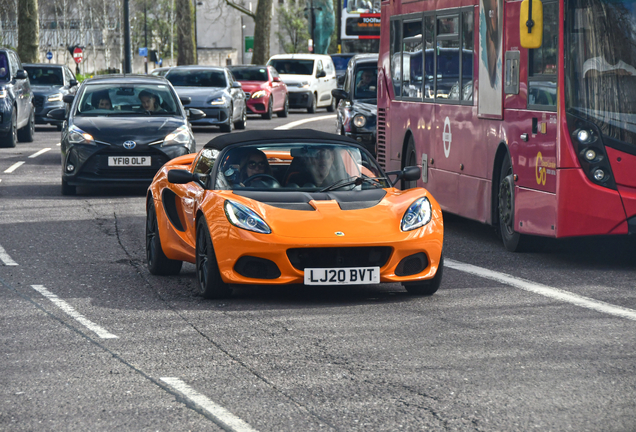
{"x":309,"y":78}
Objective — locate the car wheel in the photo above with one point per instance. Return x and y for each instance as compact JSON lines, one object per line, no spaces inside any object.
{"x":270,"y":109}
{"x":513,"y":241}
{"x":26,"y":133}
{"x":67,"y":189}
{"x":242,"y":124}
{"x":230,"y":122}
{"x":314,"y":104}
{"x":59,"y":127}
{"x":428,"y":287}
{"x":332,"y":105}
{"x":285,"y":111}
{"x":409,"y":160}
{"x":11,"y":138}
{"x":211,"y":284}
{"x":158,"y":262}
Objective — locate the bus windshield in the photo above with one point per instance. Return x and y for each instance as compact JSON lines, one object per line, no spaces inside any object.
{"x":601,"y":71}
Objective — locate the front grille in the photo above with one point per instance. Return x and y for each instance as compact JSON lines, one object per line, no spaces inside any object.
{"x":38,"y":101}
{"x":381,"y":146}
{"x":97,"y":164}
{"x":374,"y":256}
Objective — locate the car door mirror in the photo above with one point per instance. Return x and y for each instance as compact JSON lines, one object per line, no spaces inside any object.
{"x":411,"y":173}
{"x":21,"y":74}
{"x":177,"y":176}
{"x":69,"y":98}
{"x":321,"y":74}
{"x":236,"y":85}
{"x":185,"y":100}
{"x":276,"y":79}
{"x":340,"y":94}
{"x":57,"y":114}
{"x":72,"y":83}
{"x":195,"y":114}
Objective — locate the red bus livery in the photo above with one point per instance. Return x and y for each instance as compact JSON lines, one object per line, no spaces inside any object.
{"x":535,"y":141}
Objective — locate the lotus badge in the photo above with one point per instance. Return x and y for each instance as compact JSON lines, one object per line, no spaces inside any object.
{"x":339,"y":233}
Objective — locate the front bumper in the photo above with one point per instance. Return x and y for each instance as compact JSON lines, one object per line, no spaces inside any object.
{"x":258,"y":106}
{"x":215,"y":116}
{"x":42,"y":108}
{"x":300,"y":98}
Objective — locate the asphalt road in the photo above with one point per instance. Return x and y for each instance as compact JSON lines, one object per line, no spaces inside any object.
{"x":89,"y":340}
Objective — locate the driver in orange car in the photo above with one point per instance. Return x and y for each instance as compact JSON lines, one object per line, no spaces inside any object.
{"x":252,"y":163}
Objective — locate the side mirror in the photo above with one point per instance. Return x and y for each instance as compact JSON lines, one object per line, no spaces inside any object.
{"x":177,"y":176}
{"x":237,"y":84}
{"x":185,"y":100}
{"x":276,"y":79}
{"x":531,"y":23}
{"x":57,"y":114}
{"x":321,"y":74}
{"x":340,"y":94}
{"x":411,"y":173}
{"x":195,"y":114}
{"x":69,"y":98}
{"x":72,"y":83}
{"x":21,"y":74}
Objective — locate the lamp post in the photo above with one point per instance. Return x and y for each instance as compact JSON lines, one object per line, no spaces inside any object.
{"x":127,"y":48}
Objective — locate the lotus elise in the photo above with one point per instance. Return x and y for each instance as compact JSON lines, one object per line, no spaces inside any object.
{"x":291,"y":207}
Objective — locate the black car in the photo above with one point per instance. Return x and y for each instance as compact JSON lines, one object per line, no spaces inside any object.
{"x":17,"y":117}
{"x":120,"y":130}
{"x":50,"y":83}
{"x":358,"y":101}
{"x":214,"y":91}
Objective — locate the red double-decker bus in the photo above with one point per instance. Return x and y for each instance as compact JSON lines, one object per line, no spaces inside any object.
{"x":526,"y":121}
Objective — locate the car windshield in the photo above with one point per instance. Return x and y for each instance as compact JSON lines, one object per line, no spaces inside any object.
{"x":601,"y":71}
{"x":127,"y":100}
{"x":197,"y":78}
{"x":366,"y":81}
{"x":48,"y":76}
{"x":307,"y":167}
{"x":293,"y":67}
{"x":4,"y":67}
{"x":250,"y":74}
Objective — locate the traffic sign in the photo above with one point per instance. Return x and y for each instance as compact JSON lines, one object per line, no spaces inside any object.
{"x":78,"y":55}
{"x":143,"y":52}
{"x":49,"y":55}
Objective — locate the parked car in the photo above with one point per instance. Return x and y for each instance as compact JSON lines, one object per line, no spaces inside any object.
{"x":291,"y":207}
{"x":17,"y":115}
{"x":162,"y":71}
{"x":340,"y":61}
{"x":309,"y":78}
{"x":358,"y":101}
{"x":214,"y":91}
{"x":50,"y":83}
{"x":265,"y":92}
{"x":121,"y":129}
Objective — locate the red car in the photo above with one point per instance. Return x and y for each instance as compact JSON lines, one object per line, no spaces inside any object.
{"x":265,"y":92}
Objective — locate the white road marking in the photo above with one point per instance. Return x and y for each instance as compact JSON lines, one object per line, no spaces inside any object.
{"x":44,"y":150}
{"x":6,"y":259}
{"x":14,"y":167}
{"x":221,"y":416}
{"x":543,"y":290}
{"x":58,"y":144}
{"x":68,"y":309}
{"x":307,"y":120}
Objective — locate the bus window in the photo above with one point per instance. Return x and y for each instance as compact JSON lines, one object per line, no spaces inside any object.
{"x":447,"y":57}
{"x":412,"y":75}
{"x":542,"y":70}
{"x":396,"y":56}
{"x":429,"y":57}
{"x":468,"y":44}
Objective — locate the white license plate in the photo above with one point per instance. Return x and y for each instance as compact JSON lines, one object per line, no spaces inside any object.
{"x":342,"y":276}
{"x":127,"y":161}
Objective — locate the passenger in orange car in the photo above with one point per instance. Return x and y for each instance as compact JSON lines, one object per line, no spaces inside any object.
{"x":322,"y":167}
{"x":252,"y":163}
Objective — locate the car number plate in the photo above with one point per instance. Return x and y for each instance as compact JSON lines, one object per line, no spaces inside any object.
{"x":127,"y":161}
{"x":342,"y":276}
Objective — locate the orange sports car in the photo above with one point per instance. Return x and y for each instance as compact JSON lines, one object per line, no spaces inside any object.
{"x":291,"y":207}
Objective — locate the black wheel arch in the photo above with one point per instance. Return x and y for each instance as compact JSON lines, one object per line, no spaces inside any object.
{"x":500,"y":155}
{"x":405,"y":142}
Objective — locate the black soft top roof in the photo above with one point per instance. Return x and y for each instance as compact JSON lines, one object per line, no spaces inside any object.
{"x":304,"y":135}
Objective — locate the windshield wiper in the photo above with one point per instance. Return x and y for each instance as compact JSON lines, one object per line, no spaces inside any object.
{"x":352,"y":181}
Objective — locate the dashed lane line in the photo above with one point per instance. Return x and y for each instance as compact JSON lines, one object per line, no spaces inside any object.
{"x":44,"y":150}
{"x":544,"y":290}
{"x":6,"y":259}
{"x":69,"y":310}
{"x":219,"y":415}
{"x":14,"y":167}
{"x":307,"y":120}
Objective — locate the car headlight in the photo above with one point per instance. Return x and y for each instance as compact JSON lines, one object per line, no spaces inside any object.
{"x":242,"y":217}
{"x":259,"y":94}
{"x":304,"y":84}
{"x":417,"y":215}
{"x":359,"y":120}
{"x":219,"y":101}
{"x":3,"y":93}
{"x":57,"y":97}
{"x":78,"y":136}
{"x":180,"y":136}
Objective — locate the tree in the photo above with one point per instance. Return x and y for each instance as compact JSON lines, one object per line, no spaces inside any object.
{"x":185,"y":33}
{"x":293,"y":34}
{"x":262,"y":27}
{"x":28,"y":31}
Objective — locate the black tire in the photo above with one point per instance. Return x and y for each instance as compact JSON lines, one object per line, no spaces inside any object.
{"x":429,"y":287}
{"x":314,"y":104}
{"x":11,"y":138}
{"x":332,"y":105}
{"x":512,"y":240}
{"x":270,"y":109}
{"x":158,"y":262}
{"x":410,"y":159}
{"x":209,"y":279}
{"x":285,"y":111}
{"x":67,"y":189}
{"x":26,"y":133}
{"x":242,"y":123}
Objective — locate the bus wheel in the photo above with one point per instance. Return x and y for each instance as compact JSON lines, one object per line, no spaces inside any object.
{"x":409,"y":160}
{"x":513,"y":241}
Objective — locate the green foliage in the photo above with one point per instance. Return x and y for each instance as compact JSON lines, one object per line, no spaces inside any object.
{"x":293,"y":34}
{"x":157,"y":17}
